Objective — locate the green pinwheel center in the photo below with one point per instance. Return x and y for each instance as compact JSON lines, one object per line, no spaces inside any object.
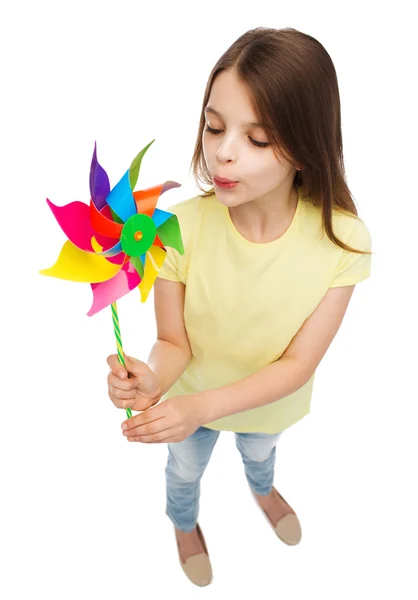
{"x":138,"y":235}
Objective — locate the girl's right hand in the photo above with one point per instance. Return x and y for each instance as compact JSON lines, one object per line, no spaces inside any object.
{"x":134,"y":386}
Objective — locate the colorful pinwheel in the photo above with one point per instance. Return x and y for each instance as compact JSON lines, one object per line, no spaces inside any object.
{"x":117,"y":242}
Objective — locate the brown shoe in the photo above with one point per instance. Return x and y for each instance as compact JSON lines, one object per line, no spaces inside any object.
{"x":197,"y":567}
{"x":287,"y":528}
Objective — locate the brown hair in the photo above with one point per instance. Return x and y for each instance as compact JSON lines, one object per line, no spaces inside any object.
{"x":294,"y":87}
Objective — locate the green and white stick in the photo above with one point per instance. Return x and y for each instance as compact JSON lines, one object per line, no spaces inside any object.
{"x":121,"y":355}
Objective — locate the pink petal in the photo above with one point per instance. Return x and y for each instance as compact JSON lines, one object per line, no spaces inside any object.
{"x":74,"y":220}
{"x":111,"y":290}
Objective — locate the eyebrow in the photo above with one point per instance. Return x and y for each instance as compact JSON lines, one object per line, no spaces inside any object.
{"x":209,"y":109}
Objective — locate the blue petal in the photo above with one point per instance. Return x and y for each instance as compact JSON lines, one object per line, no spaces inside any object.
{"x":160,"y":216}
{"x":121,"y":200}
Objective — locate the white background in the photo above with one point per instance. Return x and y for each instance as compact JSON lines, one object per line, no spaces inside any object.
{"x":82,"y":510}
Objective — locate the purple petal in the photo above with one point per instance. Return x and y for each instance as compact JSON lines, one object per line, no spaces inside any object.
{"x":99,"y":182}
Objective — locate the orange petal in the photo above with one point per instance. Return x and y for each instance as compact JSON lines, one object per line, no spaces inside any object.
{"x":146,"y":200}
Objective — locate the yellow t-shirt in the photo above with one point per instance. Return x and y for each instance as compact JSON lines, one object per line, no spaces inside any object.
{"x":245,"y":301}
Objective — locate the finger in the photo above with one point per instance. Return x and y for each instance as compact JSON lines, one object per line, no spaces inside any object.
{"x":149,"y":428}
{"x":123,"y":384}
{"x":121,"y":403}
{"x":153,"y":432}
{"x":157,"y":437}
{"x":137,"y":422}
{"x":142,"y":404}
{"x":154,"y":413}
{"x":116,"y":366}
{"x":112,"y":361}
{"x":121,"y":394}
{"x":136,"y":367}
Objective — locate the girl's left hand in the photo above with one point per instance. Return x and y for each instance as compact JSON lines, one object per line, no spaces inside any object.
{"x":172,"y":420}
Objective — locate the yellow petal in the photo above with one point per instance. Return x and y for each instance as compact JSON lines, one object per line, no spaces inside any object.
{"x":153,"y":263}
{"x":95,"y":245}
{"x":76,"y":265}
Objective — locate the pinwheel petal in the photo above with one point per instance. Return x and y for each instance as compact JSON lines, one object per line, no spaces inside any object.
{"x":153,"y":263}
{"x":74,"y":220}
{"x":110,"y":291}
{"x":135,"y":166}
{"x":169,"y":185}
{"x":118,"y":259}
{"x":113,"y":251}
{"x":138,"y":264}
{"x":99,"y":182}
{"x":170,"y":235}
{"x":76,"y":265}
{"x":101,"y":224}
{"x":121,"y":200}
{"x":110,"y":214}
{"x":146,"y":200}
{"x":160,"y":216}
{"x":158,"y":242}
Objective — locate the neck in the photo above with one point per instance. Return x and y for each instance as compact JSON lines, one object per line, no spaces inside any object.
{"x":267,"y":218}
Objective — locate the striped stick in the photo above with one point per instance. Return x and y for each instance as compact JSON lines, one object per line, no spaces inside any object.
{"x":121,"y":356}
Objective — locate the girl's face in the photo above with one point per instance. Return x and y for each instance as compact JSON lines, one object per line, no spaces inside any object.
{"x":236,"y":148}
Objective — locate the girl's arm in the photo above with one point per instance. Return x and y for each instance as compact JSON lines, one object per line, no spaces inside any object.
{"x":271,"y":383}
{"x":168,"y":361}
{"x":171,"y":353}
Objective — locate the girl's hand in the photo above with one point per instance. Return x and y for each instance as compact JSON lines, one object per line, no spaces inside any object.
{"x":135,"y":387}
{"x":173,"y":420}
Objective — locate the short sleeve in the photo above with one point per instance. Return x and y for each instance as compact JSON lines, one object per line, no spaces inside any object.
{"x":170,"y":268}
{"x":354,"y":267}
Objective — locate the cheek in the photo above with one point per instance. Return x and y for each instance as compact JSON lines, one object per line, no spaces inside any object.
{"x":264,"y":171}
{"x":209,"y":144}
{"x":207,"y":152}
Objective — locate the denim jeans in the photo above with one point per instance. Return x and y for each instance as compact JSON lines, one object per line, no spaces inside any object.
{"x":188,"y":459}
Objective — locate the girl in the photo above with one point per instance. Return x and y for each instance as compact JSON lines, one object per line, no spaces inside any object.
{"x":273,"y":251}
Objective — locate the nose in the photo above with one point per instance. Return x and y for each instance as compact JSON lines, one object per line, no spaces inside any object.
{"x":226,"y":152}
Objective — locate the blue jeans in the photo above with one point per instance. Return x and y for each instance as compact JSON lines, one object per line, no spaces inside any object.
{"x":188,"y":459}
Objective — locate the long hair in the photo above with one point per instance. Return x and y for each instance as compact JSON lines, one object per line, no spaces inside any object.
{"x":293,"y":85}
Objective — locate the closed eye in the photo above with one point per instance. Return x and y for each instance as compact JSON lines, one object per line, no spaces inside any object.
{"x":217,"y":131}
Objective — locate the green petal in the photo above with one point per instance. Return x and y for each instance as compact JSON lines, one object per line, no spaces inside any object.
{"x":170,"y":235}
{"x":116,"y":218}
{"x":135,"y":165}
{"x":137,"y":264}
